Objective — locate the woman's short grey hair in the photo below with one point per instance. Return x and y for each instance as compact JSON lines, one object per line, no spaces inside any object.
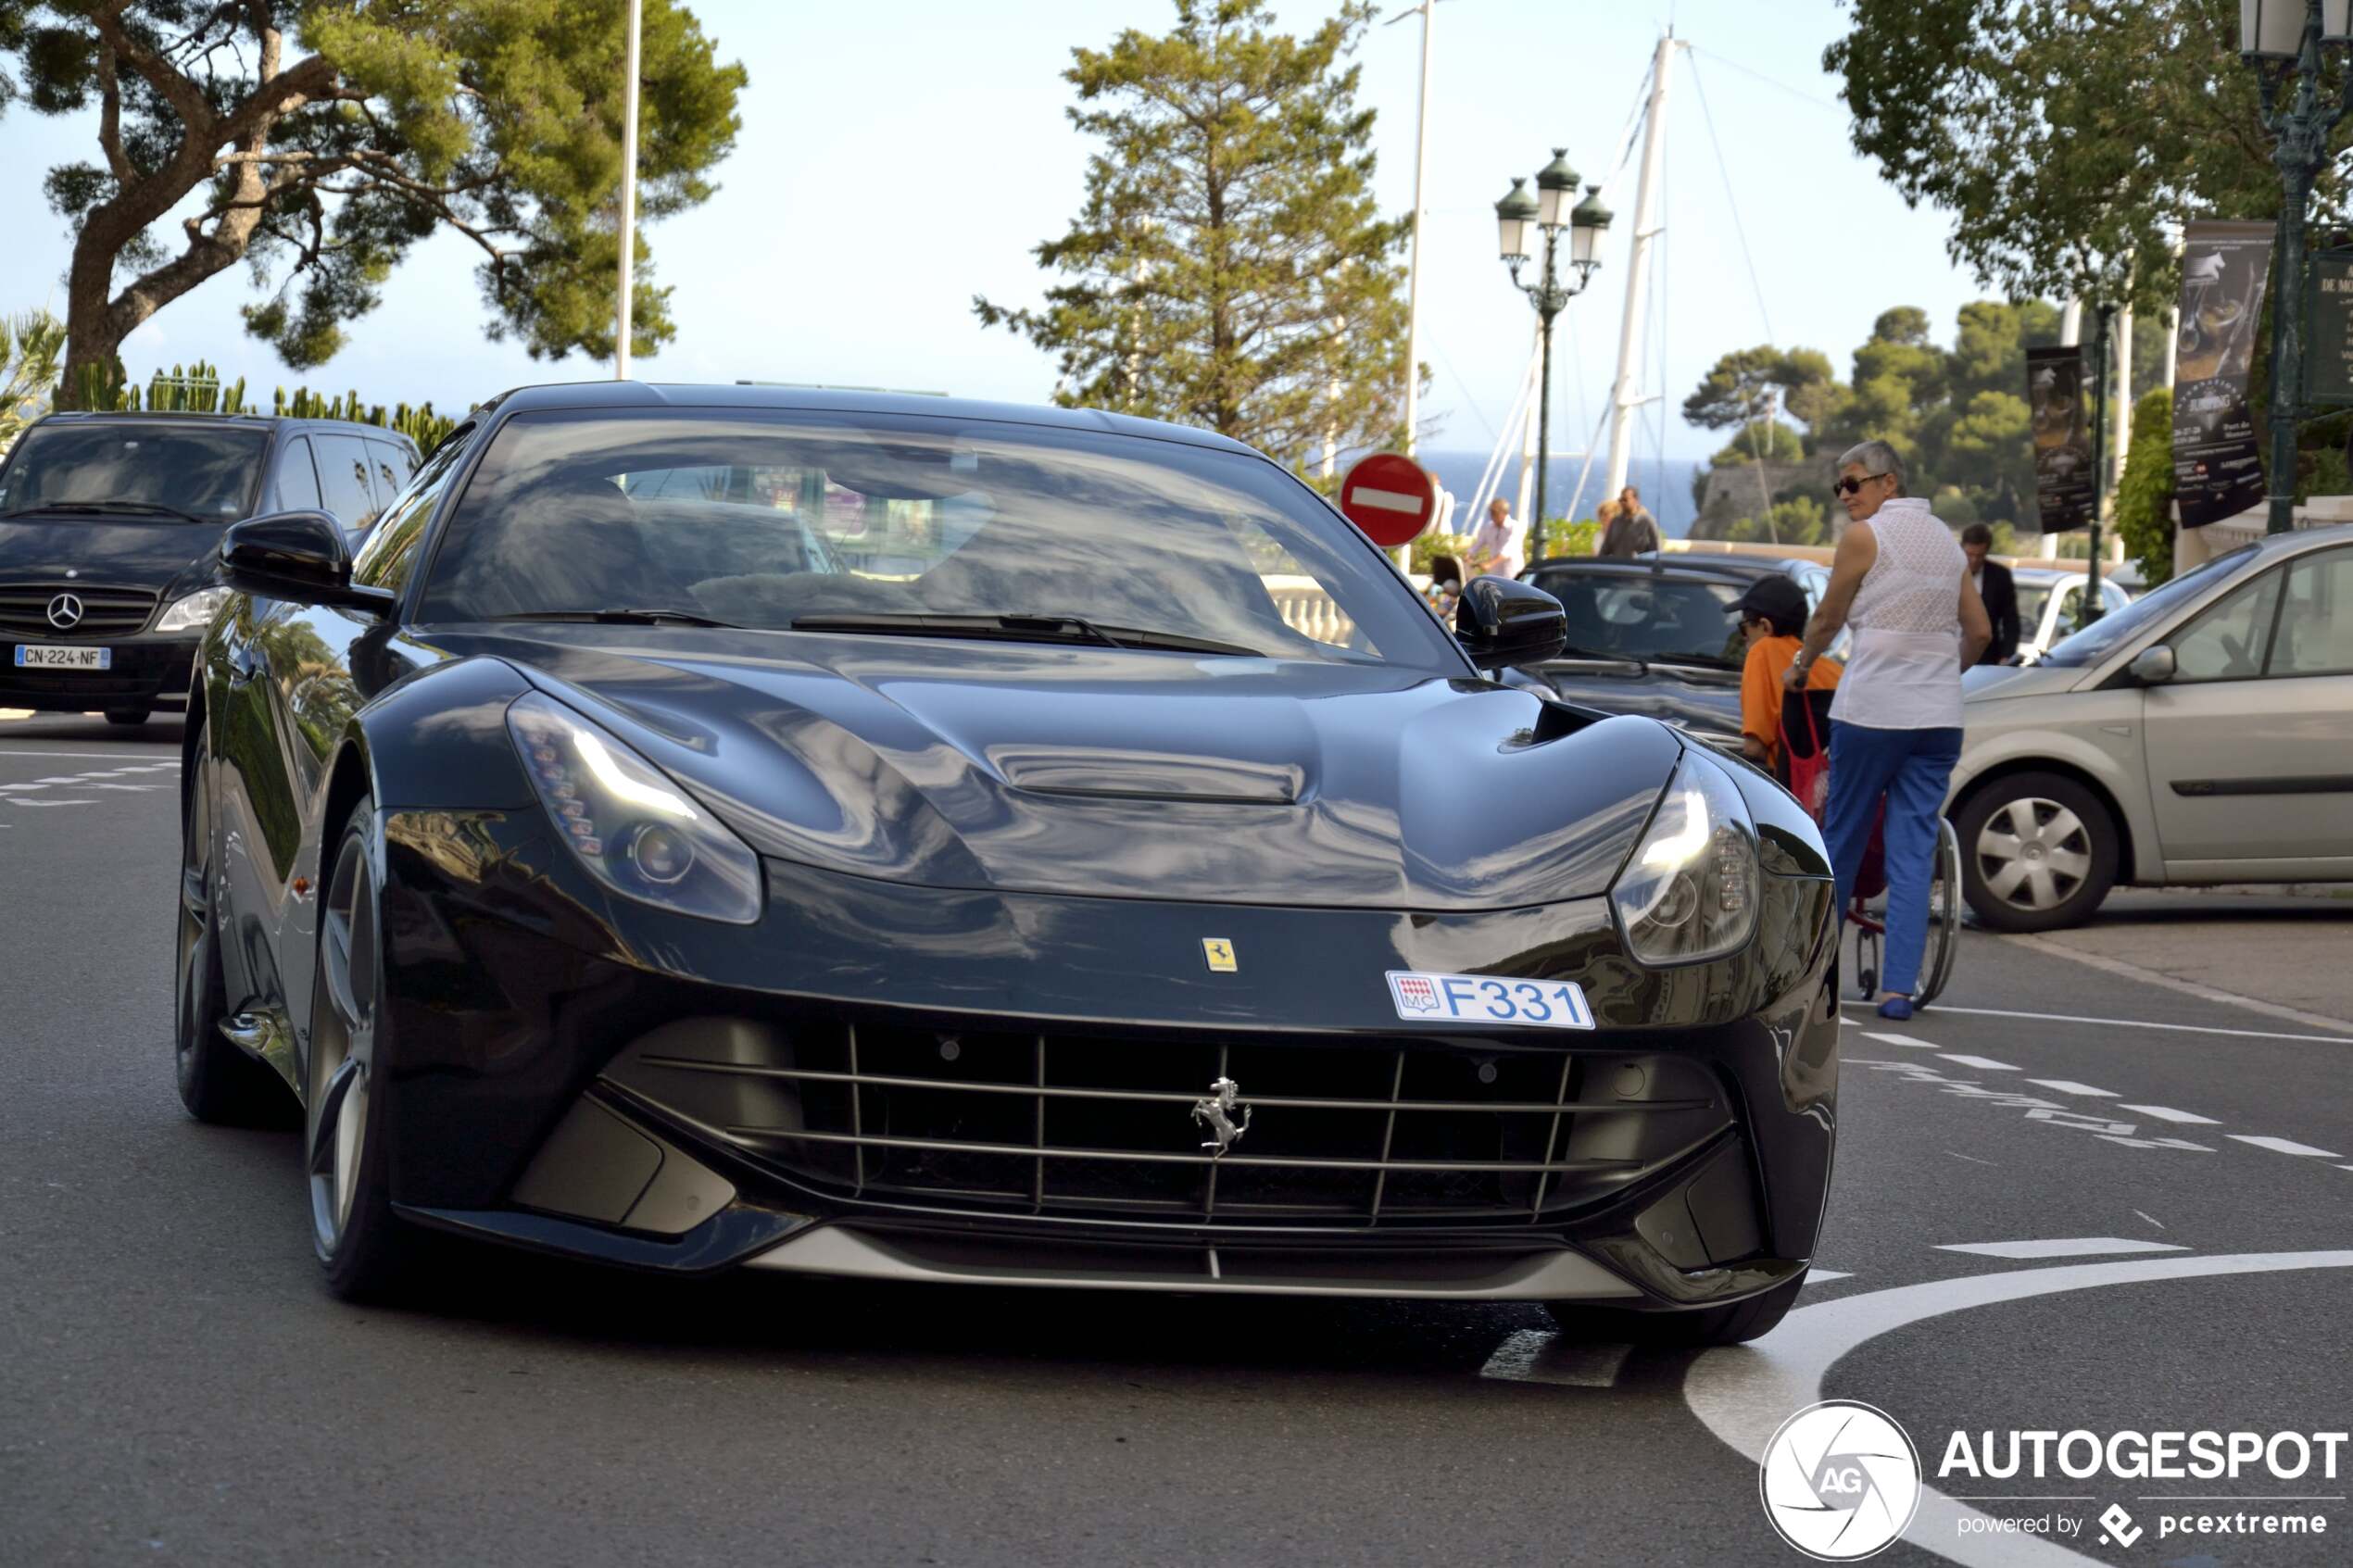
{"x":1875,"y":457}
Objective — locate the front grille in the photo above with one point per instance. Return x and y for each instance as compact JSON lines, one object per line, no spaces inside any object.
{"x":106,"y":612}
{"x":1355,"y":1135}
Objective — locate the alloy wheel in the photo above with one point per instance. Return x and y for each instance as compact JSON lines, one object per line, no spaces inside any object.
{"x":341,"y":1042}
{"x":192,"y":957}
{"x":2033,"y":853}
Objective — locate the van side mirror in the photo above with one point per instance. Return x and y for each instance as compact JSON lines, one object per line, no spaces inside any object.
{"x":2153,"y":666}
{"x":298,"y":556}
{"x":1503,"y":621}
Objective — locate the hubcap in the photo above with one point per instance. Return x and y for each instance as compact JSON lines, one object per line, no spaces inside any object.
{"x":2033,"y":853}
{"x":342,"y":1042}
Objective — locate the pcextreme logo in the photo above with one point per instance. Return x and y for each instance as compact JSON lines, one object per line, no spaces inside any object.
{"x":1839,"y":1480}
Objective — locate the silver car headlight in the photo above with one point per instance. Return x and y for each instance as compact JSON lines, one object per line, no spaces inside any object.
{"x":1689,"y":892}
{"x":629,"y":822}
{"x":192,"y":612}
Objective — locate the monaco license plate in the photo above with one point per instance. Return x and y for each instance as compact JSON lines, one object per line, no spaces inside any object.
{"x":1488,"y":999}
{"x":48,"y":656}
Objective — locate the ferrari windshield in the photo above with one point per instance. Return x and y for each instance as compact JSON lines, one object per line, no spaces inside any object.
{"x":177,"y":472}
{"x":903,"y":525}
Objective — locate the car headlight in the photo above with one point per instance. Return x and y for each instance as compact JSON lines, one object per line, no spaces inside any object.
{"x":194,"y":611}
{"x":1689,"y":892}
{"x":630,"y":824}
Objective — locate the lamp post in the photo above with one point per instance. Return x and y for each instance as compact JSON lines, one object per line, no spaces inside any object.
{"x":1519,"y":219}
{"x":2282,"y":40}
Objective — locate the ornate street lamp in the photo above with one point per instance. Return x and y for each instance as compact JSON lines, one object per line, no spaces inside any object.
{"x":1519,"y":219}
{"x":2281,"y":39}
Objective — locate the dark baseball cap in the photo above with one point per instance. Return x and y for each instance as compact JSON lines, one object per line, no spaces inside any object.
{"x":1775,"y":599}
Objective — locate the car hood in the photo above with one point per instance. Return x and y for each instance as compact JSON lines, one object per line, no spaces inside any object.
{"x":1706,"y":702}
{"x":1049,"y":768}
{"x":1999,"y":682}
{"x":105,"y":552}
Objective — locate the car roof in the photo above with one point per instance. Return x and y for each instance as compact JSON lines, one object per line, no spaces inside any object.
{"x":618,"y":396}
{"x":1647,"y":566}
{"x":245,"y":421}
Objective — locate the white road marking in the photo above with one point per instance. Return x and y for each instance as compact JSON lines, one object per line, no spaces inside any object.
{"x":1823,"y":1276}
{"x":1982,"y":1063}
{"x":1970,"y":1158}
{"x":54,"y":803}
{"x":1900,"y":1040}
{"x":2167,"y":1113}
{"x":2174,"y":983}
{"x":1744,"y":1393}
{"x":2070,"y":1087}
{"x":2282,"y":1145}
{"x":1534,"y":1356}
{"x":6,"y":752}
{"x":2081,"y":1247}
{"x":2151,"y":1219}
{"x":2129,"y":1023}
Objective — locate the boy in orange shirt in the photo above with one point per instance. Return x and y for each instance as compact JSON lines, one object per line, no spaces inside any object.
{"x":1772,"y":614}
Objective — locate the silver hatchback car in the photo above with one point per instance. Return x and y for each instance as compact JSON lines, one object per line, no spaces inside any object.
{"x":2203,"y":734}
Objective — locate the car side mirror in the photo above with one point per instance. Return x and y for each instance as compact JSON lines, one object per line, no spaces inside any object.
{"x":2153,"y":666}
{"x":298,"y":556}
{"x":1503,"y":621}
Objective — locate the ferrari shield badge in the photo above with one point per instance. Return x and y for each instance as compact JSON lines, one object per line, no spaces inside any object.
{"x":1216,"y":1113}
{"x":1220,"y":951}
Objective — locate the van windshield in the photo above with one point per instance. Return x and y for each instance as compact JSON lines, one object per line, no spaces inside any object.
{"x":171,"y":472}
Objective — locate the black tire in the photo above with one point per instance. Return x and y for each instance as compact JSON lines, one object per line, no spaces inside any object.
{"x":218,"y":1081}
{"x":363,"y":1247}
{"x":1734,"y":1322}
{"x":2039,"y":851}
{"x":126,"y":717}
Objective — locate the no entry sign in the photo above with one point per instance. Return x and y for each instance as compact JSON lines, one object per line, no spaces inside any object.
{"x":1390,"y":497}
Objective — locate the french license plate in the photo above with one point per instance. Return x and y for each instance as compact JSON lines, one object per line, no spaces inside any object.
{"x":1488,"y":999}
{"x":48,"y":656}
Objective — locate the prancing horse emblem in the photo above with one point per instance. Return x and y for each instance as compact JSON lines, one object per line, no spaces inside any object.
{"x":1217,"y":1115}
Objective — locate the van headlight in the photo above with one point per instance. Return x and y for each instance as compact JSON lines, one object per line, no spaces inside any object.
{"x":192,"y":612}
{"x":1690,"y":891}
{"x":629,"y":822}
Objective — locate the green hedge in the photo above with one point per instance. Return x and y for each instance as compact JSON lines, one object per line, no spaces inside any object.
{"x":196,"y":389}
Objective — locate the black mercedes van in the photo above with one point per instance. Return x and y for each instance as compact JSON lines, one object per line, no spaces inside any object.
{"x":107,"y":529}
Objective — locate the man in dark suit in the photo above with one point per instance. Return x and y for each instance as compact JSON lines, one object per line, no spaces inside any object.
{"x":1997,"y":588}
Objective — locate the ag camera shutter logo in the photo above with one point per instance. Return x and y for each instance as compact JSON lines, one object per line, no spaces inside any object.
{"x":1839,"y":1480}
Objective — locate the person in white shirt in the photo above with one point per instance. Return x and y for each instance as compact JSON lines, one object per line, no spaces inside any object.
{"x":1495,"y":549}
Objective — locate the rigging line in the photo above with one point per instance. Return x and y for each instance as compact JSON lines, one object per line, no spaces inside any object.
{"x":1732,"y":205}
{"x":1794,"y":91}
{"x":1469,"y":401}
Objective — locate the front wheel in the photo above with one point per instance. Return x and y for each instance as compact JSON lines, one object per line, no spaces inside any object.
{"x":2038,"y":851}
{"x":362,"y":1246}
{"x":217,"y":1082}
{"x":1733,"y":1323}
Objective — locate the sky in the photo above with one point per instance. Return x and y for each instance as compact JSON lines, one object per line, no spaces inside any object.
{"x":896,"y":160}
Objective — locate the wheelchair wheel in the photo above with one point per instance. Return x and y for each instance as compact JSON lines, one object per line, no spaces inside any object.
{"x":1943,"y":915}
{"x":1867,"y":962}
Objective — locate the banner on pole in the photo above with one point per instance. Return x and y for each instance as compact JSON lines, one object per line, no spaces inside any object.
{"x":2218,"y":472}
{"x":2062,"y":445}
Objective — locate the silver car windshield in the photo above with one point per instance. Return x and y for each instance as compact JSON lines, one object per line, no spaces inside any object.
{"x":2110,"y":632}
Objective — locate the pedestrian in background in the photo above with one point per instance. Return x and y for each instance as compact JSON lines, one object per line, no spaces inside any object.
{"x":1773,"y":619}
{"x":1901,"y":581}
{"x":1495,"y":549}
{"x":1605,"y":515}
{"x":1997,"y":588}
{"x":1633,"y":531}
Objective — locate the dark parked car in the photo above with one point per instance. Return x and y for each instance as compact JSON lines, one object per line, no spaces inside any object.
{"x":1649,"y":636}
{"x":611,"y":870}
{"x":107,"y":523}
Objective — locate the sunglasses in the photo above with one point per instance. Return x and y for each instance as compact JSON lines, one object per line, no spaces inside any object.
{"x":1848,"y":486}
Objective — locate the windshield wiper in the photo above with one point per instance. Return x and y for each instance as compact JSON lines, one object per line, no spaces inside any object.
{"x":99,"y":508}
{"x":622,"y":618}
{"x":1018,"y":628}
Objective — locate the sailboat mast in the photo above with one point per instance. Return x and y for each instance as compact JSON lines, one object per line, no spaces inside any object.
{"x":1627,"y":396}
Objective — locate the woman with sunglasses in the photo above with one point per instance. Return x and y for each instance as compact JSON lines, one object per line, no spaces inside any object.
{"x":1900,"y":579}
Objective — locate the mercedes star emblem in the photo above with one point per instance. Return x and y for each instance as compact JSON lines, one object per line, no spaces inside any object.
{"x":1217,"y":1115}
{"x":65,"y":612}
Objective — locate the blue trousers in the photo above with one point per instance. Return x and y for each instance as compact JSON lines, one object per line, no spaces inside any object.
{"x":1910,"y":769}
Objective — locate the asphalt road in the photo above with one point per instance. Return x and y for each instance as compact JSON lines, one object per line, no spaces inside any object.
{"x":175,"y":1387}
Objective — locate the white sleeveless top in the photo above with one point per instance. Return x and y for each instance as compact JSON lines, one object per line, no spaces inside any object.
{"x":1905,"y":672}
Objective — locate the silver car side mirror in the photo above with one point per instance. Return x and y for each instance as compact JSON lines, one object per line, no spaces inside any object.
{"x":2153,"y":666}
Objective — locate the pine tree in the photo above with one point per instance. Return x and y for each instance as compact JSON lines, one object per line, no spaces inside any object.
{"x":1228,"y":268}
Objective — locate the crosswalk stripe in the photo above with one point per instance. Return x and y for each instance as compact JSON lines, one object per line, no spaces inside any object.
{"x":2282,"y":1145}
{"x":2079,"y":1246}
{"x":1982,"y":1063}
{"x":2070,"y":1087}
{"x":2167,"y":1113}
{"x":1899,"y":1040}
